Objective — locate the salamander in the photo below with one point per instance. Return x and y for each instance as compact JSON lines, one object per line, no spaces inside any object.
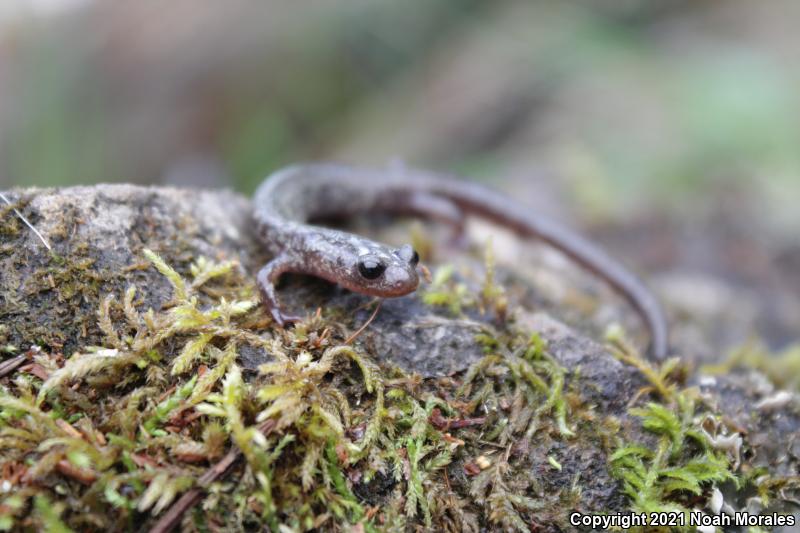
{"x":289,"y":202}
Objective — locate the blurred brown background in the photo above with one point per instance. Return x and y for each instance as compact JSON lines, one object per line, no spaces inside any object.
{"x":670,"y":131}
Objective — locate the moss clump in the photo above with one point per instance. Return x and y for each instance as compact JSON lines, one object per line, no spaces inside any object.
{"x":456,"y":296}
{"x":116,"y":433}
{"x":56,"y":286}
{"x":679,"y":471}
{"x":692,"y":456}
{"x":445,"y":292}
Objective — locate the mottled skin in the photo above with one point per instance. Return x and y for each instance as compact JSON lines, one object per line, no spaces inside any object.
{"x":294,"y":196}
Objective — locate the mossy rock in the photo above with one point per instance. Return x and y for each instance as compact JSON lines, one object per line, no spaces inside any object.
{"x":147,"y":358}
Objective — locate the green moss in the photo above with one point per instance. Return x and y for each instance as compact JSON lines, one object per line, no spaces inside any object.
{"x":782,"y":368}
{"x":445,"y":291}
{"x":678,"y":472}
{"x":135,"y":419}
{"x":661,"y":378}
{"x":118,"y":432}
{"x":683,"y":465}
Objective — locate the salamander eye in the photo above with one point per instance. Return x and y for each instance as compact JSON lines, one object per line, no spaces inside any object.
{"x":371,"y":268}
{"x":414,"y":259}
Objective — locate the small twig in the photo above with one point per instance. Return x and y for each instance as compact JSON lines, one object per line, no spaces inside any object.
{"x":173,"y":516}
{"x":493,"y":444}
{"x":358,"y":332}
{"x":9,"y":366}
{"x":25,"y":220}
{"x":443,"y":424}
{"x":82,"y":475}
{"x":449,"y":490}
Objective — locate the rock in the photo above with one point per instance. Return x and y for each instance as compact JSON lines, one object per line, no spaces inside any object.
{"x":98,"y":234}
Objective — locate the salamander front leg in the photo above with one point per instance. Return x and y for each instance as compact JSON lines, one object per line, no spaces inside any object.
{"x":267,"y":278}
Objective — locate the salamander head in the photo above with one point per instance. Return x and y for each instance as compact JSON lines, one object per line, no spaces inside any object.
{"x":384,"y":272}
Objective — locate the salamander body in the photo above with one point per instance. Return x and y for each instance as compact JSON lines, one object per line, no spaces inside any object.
{"x":291,"y":199}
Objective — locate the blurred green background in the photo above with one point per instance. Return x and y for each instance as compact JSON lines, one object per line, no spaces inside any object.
{"x":670,"y":130}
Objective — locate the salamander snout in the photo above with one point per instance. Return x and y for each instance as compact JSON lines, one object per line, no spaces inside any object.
{"x":400,"y":279}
